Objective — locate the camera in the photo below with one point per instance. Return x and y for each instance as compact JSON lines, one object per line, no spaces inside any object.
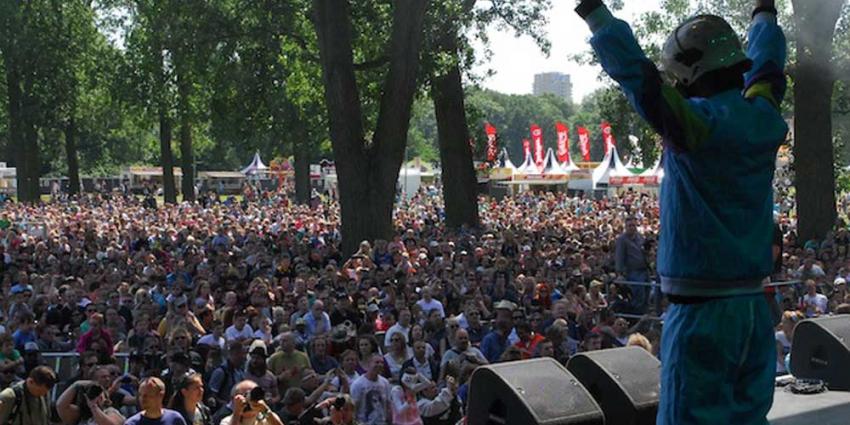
{"x":93,"y":392}
{"x":257,"y":394}
{"x":339,"y":403}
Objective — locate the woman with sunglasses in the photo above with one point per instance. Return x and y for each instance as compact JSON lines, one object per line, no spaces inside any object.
{"x":187,"y":400}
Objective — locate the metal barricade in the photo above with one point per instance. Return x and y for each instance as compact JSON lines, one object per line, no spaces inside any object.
{"x":67,"y":364}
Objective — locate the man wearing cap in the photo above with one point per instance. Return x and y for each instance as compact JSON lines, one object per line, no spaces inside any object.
{"x":257,"y":371}
{"x":496,"y":342}
{"x":240,"y":330}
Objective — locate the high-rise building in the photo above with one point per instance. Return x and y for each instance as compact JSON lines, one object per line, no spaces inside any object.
{"x":554,"y":83}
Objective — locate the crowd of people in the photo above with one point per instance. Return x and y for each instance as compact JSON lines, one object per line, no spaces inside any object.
{"x":247,"y":312}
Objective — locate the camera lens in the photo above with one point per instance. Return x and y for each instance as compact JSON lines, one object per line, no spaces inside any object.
{"x":93,"y":391}
{"x":257,"y":394}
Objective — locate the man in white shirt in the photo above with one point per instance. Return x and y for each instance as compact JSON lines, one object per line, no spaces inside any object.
{"x":371,"y":394}
{"x":427,"y":303}
{"x":813,"y":303}
{"x":215,"y":337}
{"x":401,"y":327}
{"x":240,"y":330}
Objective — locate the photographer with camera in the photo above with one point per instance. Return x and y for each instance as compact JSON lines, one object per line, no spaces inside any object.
{"x":341,"y":411}
{"x":88,"y":402}
{"x":249,"y":407}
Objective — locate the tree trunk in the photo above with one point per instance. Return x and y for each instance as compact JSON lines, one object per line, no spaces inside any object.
{"x":29,"y":165}
{"x":368,"y":172}
{"x":71,"y":157}
{"x":186,"y":155}
{"x":813,"y":144}
{"x":166,"y":158}
{"x":302,"y":170}
{"x":16,"y":125}
{"x":458,"y":174}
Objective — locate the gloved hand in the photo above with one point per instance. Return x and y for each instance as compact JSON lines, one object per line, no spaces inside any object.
{"x":764,"y":6}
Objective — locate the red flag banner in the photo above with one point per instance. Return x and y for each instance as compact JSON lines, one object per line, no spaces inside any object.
{"x":607,"y":136}
{"x":563,"y":142}
{"x":537,"y":137}
{"x":491,"y":142}
{"x":526,"y":148}
{"x":584,"y":143}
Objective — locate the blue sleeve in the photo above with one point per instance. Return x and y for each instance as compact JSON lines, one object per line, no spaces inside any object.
{"x":768,"y":50}
{"x":683,"y":125}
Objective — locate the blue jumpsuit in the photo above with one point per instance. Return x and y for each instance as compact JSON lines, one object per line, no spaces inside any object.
{"x":718,"y":356}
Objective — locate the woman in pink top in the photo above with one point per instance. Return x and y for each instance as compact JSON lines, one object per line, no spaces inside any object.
{"x":97,"y":338}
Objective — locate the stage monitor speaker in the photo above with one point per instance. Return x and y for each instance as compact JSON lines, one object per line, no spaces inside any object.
{"x":821,"y":350}
{"x":626,"y":382}
{"x":529,"y":392}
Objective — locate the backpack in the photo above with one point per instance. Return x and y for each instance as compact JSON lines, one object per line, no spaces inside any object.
{"x":18,"y":389}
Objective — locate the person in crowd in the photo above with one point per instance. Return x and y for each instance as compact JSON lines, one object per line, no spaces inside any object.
{"x":257,"y":371}
{"x":463,"y":351}
{"x":396,"y":356}
{"x":224,"y":377}
{"x":784,"y":338}
{"x":151,"y":394}
{"x":371,"y":395}
{"x":403,"y":396}
{"x":440,"y":406}
{"x":188,"y":400}
{"x":26,"y":402}
{"x":248,"y":409}
{"x":813,"y":303}
{"x":288,"y":364}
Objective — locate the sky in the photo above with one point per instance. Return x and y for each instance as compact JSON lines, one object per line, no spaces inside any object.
{"x":516,"y":60}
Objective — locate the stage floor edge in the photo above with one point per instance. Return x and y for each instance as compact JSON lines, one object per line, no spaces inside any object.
{"x":829,"y":408}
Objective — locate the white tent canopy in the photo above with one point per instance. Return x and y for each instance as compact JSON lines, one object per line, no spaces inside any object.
{"x":569,"y":165}
{"x":611,"y":166}
{"x":255,"y":167}
{"x":551,"y":165}
{"x":528,"y":166}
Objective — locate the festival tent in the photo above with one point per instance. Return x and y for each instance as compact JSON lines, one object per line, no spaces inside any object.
{"x":256,"y":167}
{"x":551,"y":173}
{"x":611,"y":167}
{"x":650,"y":177}
{"x":570,"y":166}
{"x":528,"y":166}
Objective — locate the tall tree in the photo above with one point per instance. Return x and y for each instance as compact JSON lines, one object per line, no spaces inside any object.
{"x":368,"y":169}
{"x":460,"y":184}
{"x":814,"y":84}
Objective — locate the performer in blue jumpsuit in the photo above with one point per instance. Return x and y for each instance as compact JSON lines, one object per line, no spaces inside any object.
{"x":717,"y":110}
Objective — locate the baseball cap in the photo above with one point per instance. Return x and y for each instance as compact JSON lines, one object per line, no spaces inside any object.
{"x":839,"y":281}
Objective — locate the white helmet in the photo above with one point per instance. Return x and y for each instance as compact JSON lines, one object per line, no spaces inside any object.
{"x":702,"y":44}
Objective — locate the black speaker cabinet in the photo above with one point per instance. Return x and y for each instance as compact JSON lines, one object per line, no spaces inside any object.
{"x":821,"y":350}
{"x":626,"y":382}
{"x":529,"y":392}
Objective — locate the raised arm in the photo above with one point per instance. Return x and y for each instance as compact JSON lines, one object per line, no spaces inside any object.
{"x":767,"y":49}
{"x":681,"y":125}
